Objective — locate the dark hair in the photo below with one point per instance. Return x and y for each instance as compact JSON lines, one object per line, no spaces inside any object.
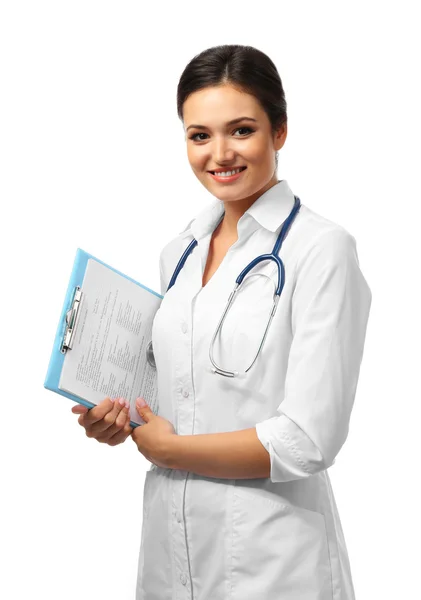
{"x":247,"y":69}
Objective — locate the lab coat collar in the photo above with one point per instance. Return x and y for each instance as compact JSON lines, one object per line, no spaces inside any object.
{"x":270,"y":210}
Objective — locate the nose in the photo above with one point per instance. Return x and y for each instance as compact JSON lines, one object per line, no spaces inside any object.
{"x":222,"y":151}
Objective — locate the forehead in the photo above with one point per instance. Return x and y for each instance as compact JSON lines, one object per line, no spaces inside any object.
{"x":220,"y":103}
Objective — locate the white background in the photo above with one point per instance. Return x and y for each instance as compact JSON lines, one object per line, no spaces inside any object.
{"x":93,"y":156}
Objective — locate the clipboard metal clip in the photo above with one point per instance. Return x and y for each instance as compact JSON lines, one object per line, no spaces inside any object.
{"x":71,"y":320}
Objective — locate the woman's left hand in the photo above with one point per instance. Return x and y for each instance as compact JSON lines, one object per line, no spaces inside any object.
{"x":152,"y":438}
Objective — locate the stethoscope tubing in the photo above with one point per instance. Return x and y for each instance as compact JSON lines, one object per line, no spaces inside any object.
{"x":272,"y":256}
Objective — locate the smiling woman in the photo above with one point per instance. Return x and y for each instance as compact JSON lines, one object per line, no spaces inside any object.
{"x":240,"y":505}
{"x":236,"y":134}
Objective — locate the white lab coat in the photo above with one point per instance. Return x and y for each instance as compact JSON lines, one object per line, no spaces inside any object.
{"x":276,"y":538}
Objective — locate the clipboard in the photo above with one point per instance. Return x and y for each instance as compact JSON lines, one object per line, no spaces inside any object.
{"x":68,"y":325}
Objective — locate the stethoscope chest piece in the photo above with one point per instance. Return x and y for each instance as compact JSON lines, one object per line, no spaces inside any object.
{"x":150,"y":355}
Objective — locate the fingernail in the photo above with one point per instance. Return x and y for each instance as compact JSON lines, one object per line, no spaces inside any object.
{"x":127,"y":404}
{"x":112,"y":399}
{"x":122,"y":401}
{"x":140,"y":402}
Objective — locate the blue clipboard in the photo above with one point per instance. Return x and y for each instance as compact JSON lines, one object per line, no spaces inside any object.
{"x":68,"y":323}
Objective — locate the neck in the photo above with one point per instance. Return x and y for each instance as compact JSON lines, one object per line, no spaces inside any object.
{"x":235,"y":210}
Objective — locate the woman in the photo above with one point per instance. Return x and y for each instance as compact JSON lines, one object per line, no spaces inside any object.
{"x":238,"y":503}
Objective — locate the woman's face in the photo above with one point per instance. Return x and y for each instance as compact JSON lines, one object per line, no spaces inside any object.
{"x":217,"y":144}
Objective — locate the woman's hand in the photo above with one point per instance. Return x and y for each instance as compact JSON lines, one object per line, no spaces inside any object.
{"x":108,"y":422}
{"x":154,"y":437}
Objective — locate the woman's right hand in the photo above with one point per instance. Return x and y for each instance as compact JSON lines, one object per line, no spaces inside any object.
{"x":108,"y":422}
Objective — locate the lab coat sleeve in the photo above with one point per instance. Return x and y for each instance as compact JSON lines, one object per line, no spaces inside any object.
{"x":330,"y":307}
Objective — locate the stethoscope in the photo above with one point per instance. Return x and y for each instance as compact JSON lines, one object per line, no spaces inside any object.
{"x":277,"y":291}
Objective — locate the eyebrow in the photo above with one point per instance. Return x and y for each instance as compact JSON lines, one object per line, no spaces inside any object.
{"x":229,"y":122}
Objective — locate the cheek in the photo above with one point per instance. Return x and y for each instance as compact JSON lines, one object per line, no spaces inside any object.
{"x":257,"y":151}
{"x":197,"y":157}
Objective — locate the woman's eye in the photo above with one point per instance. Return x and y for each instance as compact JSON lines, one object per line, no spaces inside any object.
{"x":194,"y":136}
{"x":248,"y":128}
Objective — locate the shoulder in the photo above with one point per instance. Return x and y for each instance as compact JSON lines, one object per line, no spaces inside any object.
{"x":175,"y":245}
{"x":327,"y":259}
{"x":315,"y":235}
{"x":171,"y":254}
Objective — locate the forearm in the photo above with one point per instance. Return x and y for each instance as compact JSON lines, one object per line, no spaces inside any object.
{"x":231,"y":455}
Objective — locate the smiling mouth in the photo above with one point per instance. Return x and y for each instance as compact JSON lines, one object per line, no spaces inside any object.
{"x":239,"y":169}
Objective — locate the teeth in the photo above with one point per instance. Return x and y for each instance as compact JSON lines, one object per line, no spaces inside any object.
{"x":228,"y":173}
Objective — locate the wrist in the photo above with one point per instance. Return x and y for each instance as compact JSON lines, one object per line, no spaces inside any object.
{"x":169,"y":451}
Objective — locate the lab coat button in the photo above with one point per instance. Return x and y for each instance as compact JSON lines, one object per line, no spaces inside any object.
{"x":185,"y":393}
{"x":183,"y":579}
{"x":184,"y":327}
